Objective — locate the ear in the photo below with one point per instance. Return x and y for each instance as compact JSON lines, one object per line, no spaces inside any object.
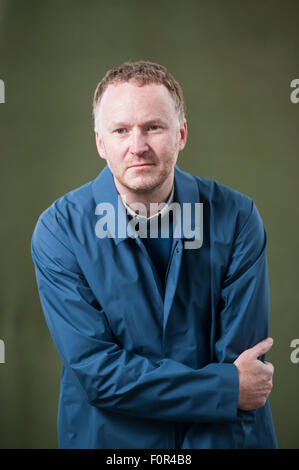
{"x":100,"y":147}
{"x":183,"y":135}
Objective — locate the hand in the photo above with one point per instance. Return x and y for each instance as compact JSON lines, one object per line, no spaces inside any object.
{"x":255,"y":376}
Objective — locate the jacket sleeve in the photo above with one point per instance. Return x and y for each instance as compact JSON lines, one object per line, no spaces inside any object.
{"x":243,"y":313}
{"x":106,"y":375}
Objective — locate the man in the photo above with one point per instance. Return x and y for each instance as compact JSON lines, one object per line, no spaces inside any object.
{"x":160,"y":340}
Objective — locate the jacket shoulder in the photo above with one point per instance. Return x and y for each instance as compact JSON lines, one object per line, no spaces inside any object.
{"x":219,"y":193}
{"x":51,"y":232}
{"x":231,"y":210}
{"x":225,"y":201}
{"x":74,"y":202}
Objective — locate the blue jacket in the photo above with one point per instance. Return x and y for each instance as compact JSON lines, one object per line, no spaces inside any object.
{"x":143,"y":370}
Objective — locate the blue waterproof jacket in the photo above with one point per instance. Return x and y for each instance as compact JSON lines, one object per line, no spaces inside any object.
{"x":144,"y":368}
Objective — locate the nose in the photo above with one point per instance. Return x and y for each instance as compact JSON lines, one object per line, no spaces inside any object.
{"x":138,"y":144}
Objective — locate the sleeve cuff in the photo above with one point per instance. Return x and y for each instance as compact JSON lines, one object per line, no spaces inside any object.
{"x":227,"y":393}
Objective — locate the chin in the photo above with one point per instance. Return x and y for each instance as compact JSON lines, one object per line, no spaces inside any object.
{"x":144,"y":185}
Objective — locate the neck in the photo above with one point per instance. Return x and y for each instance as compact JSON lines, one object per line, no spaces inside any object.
{"x":157,"y":195}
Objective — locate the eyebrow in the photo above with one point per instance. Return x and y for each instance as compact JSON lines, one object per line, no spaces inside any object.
{"x":115,"y":124}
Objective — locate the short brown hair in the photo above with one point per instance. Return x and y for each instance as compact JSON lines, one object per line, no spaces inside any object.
{"x":143,"y":72}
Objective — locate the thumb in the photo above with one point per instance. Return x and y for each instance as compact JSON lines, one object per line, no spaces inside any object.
{"x":261,"y":348}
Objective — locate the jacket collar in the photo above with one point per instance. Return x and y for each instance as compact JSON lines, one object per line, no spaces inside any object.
{"x":104,"y":191}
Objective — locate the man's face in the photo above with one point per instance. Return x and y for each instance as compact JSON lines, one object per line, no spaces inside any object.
{"x":139,"y":135}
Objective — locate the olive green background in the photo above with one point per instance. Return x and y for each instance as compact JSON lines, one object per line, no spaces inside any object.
{"x":235,"y":61}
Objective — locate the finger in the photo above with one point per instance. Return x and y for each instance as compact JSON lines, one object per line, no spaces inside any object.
{"x":270,"y":366}
{"x":261,"y":348}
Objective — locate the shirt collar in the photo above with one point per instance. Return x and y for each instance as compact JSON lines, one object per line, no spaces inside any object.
{"x":162,"y":212}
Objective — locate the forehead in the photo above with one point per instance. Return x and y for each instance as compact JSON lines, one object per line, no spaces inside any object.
{"x":130,"y":98}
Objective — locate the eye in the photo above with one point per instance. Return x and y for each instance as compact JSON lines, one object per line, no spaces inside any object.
{"x":154,"y":127}
{"x":120,"y":131}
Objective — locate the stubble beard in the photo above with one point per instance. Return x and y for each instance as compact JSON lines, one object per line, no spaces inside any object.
{"x":146,"y":184}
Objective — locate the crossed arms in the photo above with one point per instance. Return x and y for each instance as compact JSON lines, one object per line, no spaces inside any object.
{"x":118,"y":380}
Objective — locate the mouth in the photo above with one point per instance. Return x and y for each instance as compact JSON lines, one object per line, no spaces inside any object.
{"x":141,"y":165}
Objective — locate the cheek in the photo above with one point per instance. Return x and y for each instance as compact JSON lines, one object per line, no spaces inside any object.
{"x":169,"y":148}
{"x":114,"y":151}
{"x":165,"y":145}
